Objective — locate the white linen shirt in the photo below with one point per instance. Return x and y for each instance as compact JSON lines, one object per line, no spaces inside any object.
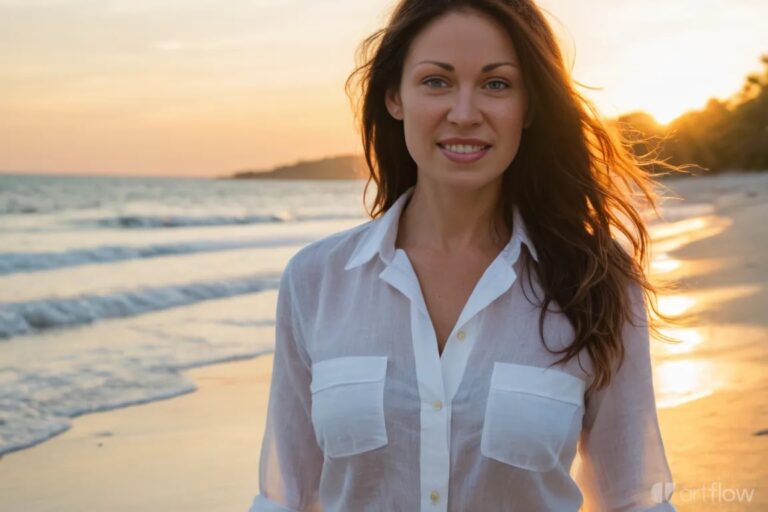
{"x":364,"y":413}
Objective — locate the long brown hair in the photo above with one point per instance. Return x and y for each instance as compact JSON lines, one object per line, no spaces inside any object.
{"x":572,"y":178}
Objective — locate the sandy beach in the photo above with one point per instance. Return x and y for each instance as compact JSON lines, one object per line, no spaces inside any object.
{"x":718,"y":445}
{"x":196,"y":452}
{"x":199,"y":451}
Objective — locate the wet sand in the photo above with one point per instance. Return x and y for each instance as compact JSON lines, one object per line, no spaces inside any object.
{"x":194,"y":453}
{"x":718,"y":445}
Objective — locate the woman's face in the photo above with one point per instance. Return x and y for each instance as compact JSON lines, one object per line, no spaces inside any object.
{"x":471,"y":88}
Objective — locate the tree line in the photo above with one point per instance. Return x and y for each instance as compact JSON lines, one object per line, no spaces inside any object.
{"x":725,"y":135}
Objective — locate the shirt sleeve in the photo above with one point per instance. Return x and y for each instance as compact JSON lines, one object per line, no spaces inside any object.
{"x":623,"y":465}
{"x":291,"y":460}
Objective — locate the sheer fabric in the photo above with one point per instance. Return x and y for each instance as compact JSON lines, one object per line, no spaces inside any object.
{"x":365,"y":415}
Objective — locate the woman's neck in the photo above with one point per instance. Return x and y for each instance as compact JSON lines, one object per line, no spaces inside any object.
{"x":452,"y":220}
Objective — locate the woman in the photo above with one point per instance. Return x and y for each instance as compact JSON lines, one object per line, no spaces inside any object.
{"x":458,"y":350}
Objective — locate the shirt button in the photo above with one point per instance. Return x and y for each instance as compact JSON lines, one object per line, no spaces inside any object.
{"x":437,"y":404}
{"x":461,"y":335}
{"x":434,"y":496}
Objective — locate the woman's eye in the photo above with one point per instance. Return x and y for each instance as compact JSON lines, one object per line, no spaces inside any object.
{"x":428,"y":80}
{"x":505,"y":85}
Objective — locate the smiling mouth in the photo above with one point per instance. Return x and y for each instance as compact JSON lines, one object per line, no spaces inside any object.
{"x":464,"y":154}
{"x":476,"y":148}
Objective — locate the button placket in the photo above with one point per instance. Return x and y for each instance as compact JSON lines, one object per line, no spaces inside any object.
{"x":434,"y":449}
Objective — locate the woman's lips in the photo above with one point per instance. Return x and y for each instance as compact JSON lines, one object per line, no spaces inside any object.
{"x":464,"y":158}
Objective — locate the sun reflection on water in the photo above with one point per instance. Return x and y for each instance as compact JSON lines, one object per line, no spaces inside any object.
{"x":680,"y":381}
{"x":663,"y":263}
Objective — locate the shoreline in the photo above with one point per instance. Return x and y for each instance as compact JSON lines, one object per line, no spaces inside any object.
{"x":210,"y":437}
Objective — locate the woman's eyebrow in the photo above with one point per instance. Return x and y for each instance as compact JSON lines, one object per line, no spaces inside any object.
{"x":485,"y":69}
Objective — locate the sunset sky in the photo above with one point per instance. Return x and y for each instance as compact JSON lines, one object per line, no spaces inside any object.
{"x":207,"y":88}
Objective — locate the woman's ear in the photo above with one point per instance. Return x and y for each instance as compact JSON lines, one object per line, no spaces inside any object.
{"x":394,"y":104}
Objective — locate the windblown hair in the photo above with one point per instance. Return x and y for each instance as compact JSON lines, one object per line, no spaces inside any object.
{"x":573,"y":179}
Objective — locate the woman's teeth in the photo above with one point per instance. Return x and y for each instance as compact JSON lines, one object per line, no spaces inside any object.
{"x":463,"y":148}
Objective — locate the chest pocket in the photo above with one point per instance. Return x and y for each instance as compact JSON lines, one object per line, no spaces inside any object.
{"x":348,"y":404}
{"x":530,"y":415}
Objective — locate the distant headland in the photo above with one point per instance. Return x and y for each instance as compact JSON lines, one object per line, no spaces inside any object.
{"x":342,"y":167}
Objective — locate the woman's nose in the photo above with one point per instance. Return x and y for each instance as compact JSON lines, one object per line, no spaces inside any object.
{"x":464,"y":109}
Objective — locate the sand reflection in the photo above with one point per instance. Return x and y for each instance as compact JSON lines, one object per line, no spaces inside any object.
{"x":674,"y":235}
{"x":677,"y":382}
{"x":681,"y":372}
{"x":704,"y":359}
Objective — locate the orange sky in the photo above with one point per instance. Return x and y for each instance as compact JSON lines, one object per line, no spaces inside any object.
{"x":183,"y":87}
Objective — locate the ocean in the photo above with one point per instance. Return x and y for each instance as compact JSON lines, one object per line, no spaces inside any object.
{"x":111,"y":287}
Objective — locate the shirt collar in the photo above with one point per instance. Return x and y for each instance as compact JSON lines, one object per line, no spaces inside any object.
{"x":381,"y":236}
